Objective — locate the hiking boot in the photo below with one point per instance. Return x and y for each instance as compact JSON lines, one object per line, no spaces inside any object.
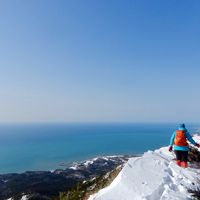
{"x":178,"y":162}
{"x":184,"y":164}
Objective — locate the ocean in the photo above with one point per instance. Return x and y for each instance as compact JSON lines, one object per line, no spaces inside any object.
{"x":25,"y":147}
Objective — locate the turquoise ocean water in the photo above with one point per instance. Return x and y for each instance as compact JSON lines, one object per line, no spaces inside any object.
{"x":44,"y":146}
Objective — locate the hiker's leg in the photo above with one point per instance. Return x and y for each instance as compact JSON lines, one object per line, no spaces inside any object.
{"x":185,"y":156}
{"x":184,"y":162}
{"x":178,"y":154}
{"x":178,"y":157}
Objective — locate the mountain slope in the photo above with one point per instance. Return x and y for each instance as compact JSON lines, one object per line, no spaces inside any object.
{"x":154,"y":176}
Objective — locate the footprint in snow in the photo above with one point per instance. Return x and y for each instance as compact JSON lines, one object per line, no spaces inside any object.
{"x":130,"y":165}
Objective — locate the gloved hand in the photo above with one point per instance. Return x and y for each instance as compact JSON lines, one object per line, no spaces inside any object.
{"x":170,"y":148}
{"x":197,"y":145}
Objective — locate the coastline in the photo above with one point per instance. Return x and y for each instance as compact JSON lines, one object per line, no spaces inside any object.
{"x":50,"y":184}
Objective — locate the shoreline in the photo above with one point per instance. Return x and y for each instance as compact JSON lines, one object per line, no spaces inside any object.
{"x":72,"y":164}
{"x":49,"y":184}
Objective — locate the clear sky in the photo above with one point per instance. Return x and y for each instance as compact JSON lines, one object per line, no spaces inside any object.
{"x":99,"y":60}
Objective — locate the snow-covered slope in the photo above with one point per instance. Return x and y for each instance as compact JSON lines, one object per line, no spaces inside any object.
{"x":154,"y":176}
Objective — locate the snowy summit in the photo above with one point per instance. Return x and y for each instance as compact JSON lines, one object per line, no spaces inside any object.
{"x":154,"y":176}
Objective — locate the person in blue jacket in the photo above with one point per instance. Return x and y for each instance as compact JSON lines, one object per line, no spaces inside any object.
{"x":178,"y":143}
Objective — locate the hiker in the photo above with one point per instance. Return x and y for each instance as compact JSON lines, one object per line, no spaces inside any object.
{"x":180,"y":146}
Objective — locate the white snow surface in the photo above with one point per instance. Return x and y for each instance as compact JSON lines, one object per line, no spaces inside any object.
{"x":90,"y":162}
{"x":154,"y":176}
{"x":24,"y":197}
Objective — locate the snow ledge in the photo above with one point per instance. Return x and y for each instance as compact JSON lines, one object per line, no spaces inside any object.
{"x":154,"y":176}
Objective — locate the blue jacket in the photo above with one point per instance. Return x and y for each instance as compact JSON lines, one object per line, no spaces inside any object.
{"x":181,"y":148}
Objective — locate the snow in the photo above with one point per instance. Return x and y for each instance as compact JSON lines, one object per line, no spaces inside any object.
{"x":24,"y":197}
{"x":196,"y":137}
{"x":88,"y":163}
{"x":154,"y":176}
{"x":73,"y":167}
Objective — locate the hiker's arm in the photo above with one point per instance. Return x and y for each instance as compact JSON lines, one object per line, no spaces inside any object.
{"x":189,"y":137}
{"x":172,"y":139}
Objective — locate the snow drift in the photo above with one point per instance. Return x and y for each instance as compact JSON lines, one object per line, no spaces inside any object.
{"x":154,"y":176}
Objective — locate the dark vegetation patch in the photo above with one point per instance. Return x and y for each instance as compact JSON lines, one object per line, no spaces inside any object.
{"x":83,"y":190}
{"x":194,"y":158}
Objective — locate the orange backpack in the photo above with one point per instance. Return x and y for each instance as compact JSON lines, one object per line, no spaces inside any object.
{"x":180,"y":138}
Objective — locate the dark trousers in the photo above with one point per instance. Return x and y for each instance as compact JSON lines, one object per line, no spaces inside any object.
{"x":181,"y":155}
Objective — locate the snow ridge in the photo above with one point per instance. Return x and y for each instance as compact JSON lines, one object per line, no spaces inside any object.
{"x":154,"y":176}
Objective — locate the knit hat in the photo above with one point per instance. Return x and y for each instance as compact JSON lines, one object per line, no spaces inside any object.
{"x":182,"y":125}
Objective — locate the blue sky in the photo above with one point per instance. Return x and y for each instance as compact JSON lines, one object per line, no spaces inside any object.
{"x":107,"y":60}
